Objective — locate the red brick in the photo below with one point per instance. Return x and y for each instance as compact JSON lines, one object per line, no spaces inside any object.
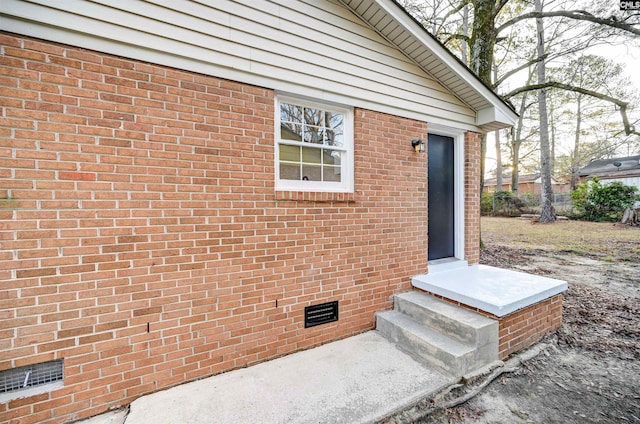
{"x":28,"y":273}
{"x":53,"y":346}
{"x":81,"y":176}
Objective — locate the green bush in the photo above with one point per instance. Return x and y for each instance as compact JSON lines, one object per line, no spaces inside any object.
{"x":595,"y":201}
{"x":486,"y":203}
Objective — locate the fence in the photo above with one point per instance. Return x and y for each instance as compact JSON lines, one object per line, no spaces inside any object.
{"x":510,"y":205}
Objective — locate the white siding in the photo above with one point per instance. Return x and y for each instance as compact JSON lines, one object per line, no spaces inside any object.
{"x":314,"y":48}
{"x":630,"y":181}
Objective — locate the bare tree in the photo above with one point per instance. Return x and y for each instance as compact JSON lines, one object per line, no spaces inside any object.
{"x":547,"y":213}
{"x":492,"y":27}
{"x":489,"y":24}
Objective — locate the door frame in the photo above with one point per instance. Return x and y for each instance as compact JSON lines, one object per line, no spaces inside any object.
{"x":458,"y":136}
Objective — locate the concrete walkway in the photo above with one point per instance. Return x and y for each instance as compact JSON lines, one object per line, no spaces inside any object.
{"x":356,"y":380}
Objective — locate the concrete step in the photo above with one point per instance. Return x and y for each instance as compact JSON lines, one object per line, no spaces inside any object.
{"x":427,"y":344}
{"x":459,"y":323}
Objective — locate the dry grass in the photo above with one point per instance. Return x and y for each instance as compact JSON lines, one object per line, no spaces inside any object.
{"x":607,"y":241}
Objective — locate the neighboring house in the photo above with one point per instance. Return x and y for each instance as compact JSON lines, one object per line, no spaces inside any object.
{"x":527,"y":184}
{"x":625,"y":170}
{"x":180,"y":180}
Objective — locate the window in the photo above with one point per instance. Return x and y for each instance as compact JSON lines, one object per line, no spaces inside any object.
{"x":314,"y":147}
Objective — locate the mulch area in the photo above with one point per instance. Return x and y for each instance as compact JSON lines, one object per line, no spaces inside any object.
{"x":593,"y":318}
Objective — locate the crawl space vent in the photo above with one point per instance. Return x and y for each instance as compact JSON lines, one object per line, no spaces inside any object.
{"x":30,"y":376}
{"x":320,"y":314}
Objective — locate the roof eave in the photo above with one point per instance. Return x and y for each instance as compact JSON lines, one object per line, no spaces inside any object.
{"x":495,"y":113}
{"x":495,"y":118}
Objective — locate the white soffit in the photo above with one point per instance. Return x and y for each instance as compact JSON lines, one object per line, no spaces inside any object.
{"x":394,"y":23}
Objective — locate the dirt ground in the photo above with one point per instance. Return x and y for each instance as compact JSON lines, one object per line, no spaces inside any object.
{"x":591,"y":371}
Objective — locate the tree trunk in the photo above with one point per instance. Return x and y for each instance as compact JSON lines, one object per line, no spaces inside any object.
{"x":517,"y":140}
{"x":483,"y":154}
{"x":498,"y":147}
{"x":465,"y":31}
{"x":631,"y":217}
{"x":547,"y":213}
{"x":483,"y":39}
{"x":515,"y":171}
{"x":553,"y":139}
{"x":515,"y":147}
{"x":498,"y":162}
{"x":576,"y":146}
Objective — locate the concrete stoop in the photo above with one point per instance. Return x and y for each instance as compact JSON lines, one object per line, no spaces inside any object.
{"x":451,"y":338}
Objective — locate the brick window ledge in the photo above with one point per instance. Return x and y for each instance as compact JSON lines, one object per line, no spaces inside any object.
{"x":316,"y":196}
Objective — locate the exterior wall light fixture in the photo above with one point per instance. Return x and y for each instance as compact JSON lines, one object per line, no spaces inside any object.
{"x":418,"y":145}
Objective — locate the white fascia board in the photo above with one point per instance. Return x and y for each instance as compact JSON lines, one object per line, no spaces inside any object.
{"x":447,"y":59}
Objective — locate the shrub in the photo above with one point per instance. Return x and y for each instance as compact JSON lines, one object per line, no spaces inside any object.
{"x":486,"y":203}
{"x":595,"y":201}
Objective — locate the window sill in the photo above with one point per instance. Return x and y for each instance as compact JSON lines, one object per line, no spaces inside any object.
{"x":315,"y":196}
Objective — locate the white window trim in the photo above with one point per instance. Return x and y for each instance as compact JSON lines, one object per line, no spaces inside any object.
{"x":346,"y":185}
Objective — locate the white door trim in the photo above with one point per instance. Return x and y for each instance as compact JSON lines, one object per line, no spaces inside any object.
{"x":458,"y":183}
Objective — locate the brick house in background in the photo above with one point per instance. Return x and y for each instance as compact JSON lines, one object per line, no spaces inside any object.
{"x":527,"y":184}
{"x":179,"y":180}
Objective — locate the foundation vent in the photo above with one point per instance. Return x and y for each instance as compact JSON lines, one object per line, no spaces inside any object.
{"x":31,"y":376}
{"x":320,"y":314}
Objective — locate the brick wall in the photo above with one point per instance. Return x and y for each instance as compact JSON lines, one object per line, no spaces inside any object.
{"x":523,"y":328}
{"x":472,"y":197}
{"x":142,"y":240}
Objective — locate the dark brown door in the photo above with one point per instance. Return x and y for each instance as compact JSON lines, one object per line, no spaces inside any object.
{"x":441,"y":197}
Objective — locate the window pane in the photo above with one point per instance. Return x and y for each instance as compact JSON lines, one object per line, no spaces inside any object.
{"x":331,"y":173}
{"x":335,"y":130}
{"x":289,"y":172}
{"x":311,"y":155}
{"x":335,"y":120}
{"x":290,"y":113}
{"x":331,"y":157}
{"x":314,"y":135}
{"x":313,"y":117}
{"x":338,"y":140}
{"x":311,"y":173}
{"x":290,"y":131}
{"x":289,"y":153}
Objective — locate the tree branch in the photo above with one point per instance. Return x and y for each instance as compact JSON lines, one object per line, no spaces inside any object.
{"x":628,"y":128}
{"x":499,"y":7}
{"x":574,"y":14}
{"x":518,"y":69}
{"x":547,"y":57}
{"x":456,"y":37}
{"x":455,"y":9}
